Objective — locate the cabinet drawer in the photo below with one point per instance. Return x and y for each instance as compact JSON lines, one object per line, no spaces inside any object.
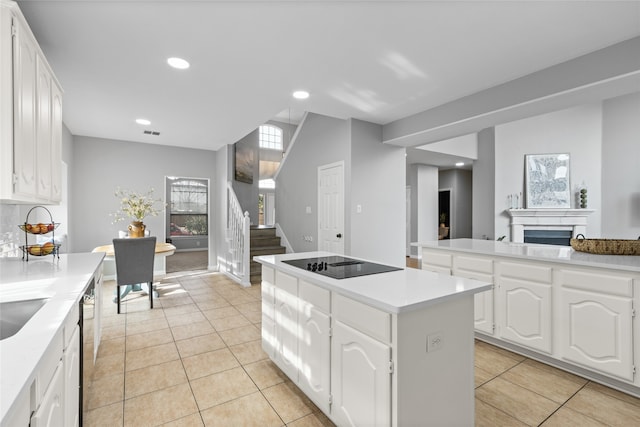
{"x":481,"y":265}
{"x":268,"y":294}
{"x":436,"y":258}
{"x":268,"y":309}
{"x":371,"y":321}
{"x":607,"y":284}
{"x":315,"y":295}
{"x":473,"y":275}
{"x":529,"y":272}
{"x":286,"y":283}
{"x":436,"y":269}
{"x":268,"y":275}
{"x":48,"y":365}
{"x":70,"y":324}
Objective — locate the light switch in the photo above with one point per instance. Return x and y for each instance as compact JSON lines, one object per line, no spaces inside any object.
{"x":308,"y":209}
{"x":358,"y":208}
{"x":435,"y":342}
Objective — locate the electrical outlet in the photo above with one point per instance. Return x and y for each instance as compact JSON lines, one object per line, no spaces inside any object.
{"x":435,"y":342}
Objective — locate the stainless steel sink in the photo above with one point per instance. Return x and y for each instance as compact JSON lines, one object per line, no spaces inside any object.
{"x":15,"y":314}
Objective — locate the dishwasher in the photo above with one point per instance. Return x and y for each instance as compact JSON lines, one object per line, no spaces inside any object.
{"x":87,"y":344}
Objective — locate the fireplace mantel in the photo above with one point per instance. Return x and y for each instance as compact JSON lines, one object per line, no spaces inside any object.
{"x":547,"y":219}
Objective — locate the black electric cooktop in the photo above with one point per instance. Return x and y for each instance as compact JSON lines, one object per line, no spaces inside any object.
{"x":339,"y":267}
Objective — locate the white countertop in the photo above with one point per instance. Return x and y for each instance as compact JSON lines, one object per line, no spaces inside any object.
{"x":530,"y":251}
{"x":63,"y":280}
{"x":395,"y":291}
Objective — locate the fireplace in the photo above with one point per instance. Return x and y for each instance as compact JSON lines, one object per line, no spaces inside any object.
{"x":548,"y":237}
{"x":554,"y":224}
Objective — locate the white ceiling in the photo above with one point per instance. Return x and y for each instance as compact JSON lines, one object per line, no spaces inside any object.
{"x":372,"y":60}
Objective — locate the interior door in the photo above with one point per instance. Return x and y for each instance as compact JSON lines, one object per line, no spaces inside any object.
{"x":331,"y":208}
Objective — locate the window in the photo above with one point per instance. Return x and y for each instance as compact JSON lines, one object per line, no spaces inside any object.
{"x":270,"y":137}
{"x":267,"y":183}
{"x":189,"y":207}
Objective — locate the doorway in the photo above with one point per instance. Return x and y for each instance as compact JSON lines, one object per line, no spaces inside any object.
{"x":187,"y":222}
{"x":444,"y":214}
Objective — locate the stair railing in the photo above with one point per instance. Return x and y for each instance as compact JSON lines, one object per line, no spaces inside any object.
{"x":238,"y":234}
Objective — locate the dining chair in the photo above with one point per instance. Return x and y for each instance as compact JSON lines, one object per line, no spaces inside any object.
{"x":134,"y":264}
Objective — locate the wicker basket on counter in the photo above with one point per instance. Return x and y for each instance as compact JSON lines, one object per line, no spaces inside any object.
{"x":606,"y":246}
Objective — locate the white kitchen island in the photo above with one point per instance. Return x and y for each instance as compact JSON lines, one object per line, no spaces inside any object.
{"x":388,"y":349}
{"x":570,"y":309}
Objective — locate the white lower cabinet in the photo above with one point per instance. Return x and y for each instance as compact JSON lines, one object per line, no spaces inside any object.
{"x":286,"y":324}
{"x":72,"y":380}
{"x":525,"y":310}
{"x":582,"y":316}
{"x":314,"y":343}
{"x":360,"y":378}
{"x":524,"y":303}
{"x":478,"y":268}
{"x":50,"y":413}
{"x":344,"y":371}
{"x":597,"y":327}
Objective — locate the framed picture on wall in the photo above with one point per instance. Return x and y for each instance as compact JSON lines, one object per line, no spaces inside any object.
{"x":547,"y":181}
{"x":244,"y":162}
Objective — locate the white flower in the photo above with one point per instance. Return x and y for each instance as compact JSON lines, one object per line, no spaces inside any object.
{"x":136,"y":206}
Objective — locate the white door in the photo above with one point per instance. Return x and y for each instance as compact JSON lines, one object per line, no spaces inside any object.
{"x":526,"y":313}
{"x":314,"y":344}
{"x":360,"y":379}
{"x":51,"y":413}
{"x":43,"y":132}
{"x":72,"y":381}
{"x":597,"y":331}
{"x":286,"y":325}
{"x":331,"y":208}
{"x":25,"y":110}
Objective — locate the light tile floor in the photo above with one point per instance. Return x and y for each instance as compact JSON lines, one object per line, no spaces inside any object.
{"x":196,"y":360}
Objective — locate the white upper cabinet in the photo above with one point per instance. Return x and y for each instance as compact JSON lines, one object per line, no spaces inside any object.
{"x":31,"y":116}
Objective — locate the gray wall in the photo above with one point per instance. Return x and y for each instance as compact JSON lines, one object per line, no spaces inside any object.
{"x":378,"y":182}
{"x":577,"y":131}
{"x":460,"y":183}
{"x":621,"y":167}
{"x":100,"y":166}
{"x":483,"y":183}
{"x":322,"y":140}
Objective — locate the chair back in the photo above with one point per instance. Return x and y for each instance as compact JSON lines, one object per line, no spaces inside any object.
{"x":134,"y":260}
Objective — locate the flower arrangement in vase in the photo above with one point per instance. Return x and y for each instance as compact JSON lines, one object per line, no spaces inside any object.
{"x":136,"y":207}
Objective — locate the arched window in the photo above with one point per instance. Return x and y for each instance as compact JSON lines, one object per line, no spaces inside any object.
{"x":270,"y":137}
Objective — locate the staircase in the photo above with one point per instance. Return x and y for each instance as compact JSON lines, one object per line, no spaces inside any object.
{"x":263,"y":242}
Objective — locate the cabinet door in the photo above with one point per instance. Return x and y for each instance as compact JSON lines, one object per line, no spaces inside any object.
{"x":596,"y":331}
{"x":360,"y":379}
{"x":72,"y":380}
{"x":286,"y":331}
{"x":24,"y":145}
{"x":51,"y":412}
{"x":314,"y":345}
{"x":56,"y":143}
{"x":482,"y":302}
{"x":43,"y":132}
{"x":525,"y":313}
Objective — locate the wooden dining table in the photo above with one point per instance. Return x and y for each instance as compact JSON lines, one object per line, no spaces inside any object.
{"x":162,"y":249}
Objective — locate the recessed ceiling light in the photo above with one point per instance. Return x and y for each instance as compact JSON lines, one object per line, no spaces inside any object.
{"x":178,"y":63}
{"x":460,"y":164}
{"x":143,"y":122}
{"x":301,"y":94}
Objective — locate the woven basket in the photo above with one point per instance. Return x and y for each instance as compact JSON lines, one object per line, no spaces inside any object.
{"x":606,"y":246}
